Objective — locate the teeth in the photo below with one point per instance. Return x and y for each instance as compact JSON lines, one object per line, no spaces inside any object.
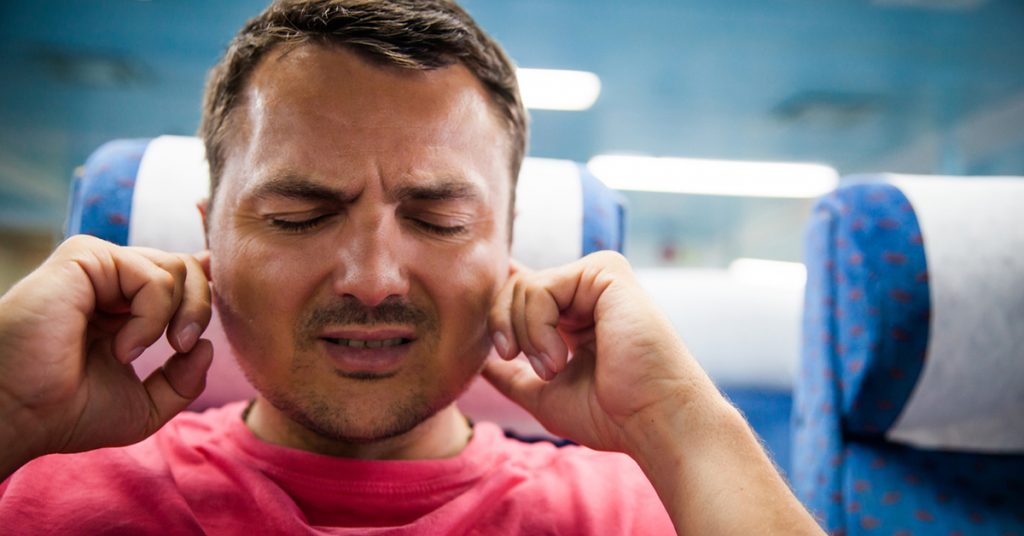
{"x":379,"y":343}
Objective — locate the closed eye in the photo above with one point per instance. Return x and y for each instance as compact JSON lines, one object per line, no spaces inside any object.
{"x":297,"y":226}
{"x":440,"y":230}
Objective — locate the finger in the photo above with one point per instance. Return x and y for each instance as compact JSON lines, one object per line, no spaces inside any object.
{"x":521,"y":331}
{"x":174,"y":386}
{"x":193,"y":314}
{"x":542,"y":318}
{"x":514,"y":380}
{"x":125,"y":281}
{"x":192,"y":293}
{"x":153,"y":294}
{"x":171,"y":263}
{"x":578,"y":286}
{"x":96,"y":259}
{"x":500,"y":323}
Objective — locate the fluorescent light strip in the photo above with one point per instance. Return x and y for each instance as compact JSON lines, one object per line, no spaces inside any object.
{"x":766,"y":273}
{"x":553,"y":89}
{"x":714,"y":177}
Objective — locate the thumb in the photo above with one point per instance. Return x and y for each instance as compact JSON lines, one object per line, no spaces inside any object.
{"x":516,"y":380}
{"x":175,"y":385}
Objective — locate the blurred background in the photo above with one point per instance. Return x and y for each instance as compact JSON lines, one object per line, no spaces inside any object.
{"x":917,"y":86}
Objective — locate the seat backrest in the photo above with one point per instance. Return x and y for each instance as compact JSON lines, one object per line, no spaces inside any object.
{"x":909,"y":413}
{"x":144,"y":192}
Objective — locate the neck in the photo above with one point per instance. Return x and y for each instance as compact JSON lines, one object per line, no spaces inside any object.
{"x":443,"y":435}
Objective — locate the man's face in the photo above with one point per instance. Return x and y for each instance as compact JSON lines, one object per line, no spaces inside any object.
{"x":358,"y":236}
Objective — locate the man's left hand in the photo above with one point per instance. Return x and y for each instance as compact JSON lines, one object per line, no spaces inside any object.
{"x":627,"y":364}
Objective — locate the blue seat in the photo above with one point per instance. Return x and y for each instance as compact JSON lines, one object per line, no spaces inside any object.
{"x":909,"y":412}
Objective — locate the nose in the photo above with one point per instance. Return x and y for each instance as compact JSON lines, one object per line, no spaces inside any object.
{"x":370,"y":266}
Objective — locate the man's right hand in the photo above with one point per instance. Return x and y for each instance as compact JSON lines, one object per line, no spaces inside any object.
{"x":68,"y":333}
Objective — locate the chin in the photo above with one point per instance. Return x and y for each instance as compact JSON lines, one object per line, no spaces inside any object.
{"x":338,"y":420}
{"x":357,"y":419}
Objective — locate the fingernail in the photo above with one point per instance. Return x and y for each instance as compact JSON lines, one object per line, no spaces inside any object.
{"x":500,"y":343}
{"x":135,"y":353}
{"x":188,"y":336}
{"x":538,"y":367}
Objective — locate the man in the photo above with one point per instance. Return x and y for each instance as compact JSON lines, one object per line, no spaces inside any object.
{"x":362,"y":158}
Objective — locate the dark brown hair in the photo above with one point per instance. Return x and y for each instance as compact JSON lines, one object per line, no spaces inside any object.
{"x":410,"y":34}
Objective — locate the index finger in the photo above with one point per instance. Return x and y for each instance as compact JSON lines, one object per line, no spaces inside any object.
{"x":192,"y":314}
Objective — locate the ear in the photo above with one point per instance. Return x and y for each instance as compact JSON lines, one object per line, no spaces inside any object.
{"x":515,"y":267}
{"x":204,"y":260}
{"x":203,"y":207}
{"x":204,"y":256}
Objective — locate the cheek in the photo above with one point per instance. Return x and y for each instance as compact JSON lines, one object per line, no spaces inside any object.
{"x":464,"y":284}
{"x":263,"y":284}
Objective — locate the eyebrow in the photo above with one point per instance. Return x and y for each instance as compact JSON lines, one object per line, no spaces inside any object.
{"x":297,"y":187}
{"x":300,"y":188}
{"x":447,"y":190}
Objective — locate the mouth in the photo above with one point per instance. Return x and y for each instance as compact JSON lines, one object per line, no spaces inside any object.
{"x":368,"y":343}
{"x":367,"y":353}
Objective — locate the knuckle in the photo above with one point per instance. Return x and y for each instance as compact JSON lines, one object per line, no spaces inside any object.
{"x":190,"y":263}
{"x":82,"y":241}
{"x":178,"y":263}
{"x":165,"y":279}
{"x":176,"y":267}
{"x":77,"y":240}
{"x":611,"y":258}
{"x":518,"y":294}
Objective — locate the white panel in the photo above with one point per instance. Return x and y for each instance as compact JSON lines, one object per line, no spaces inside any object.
{"x":742,"y":334}
{"x":548,"y":229}
{"x":173,"y":177}
{"x":971,"y":392}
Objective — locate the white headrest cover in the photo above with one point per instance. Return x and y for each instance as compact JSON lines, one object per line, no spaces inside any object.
{"x":548,"y":229}
{"x":970,"y":395}
{"x":172,"y":179}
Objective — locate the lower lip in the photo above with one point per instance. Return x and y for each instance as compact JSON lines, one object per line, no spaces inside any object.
{"x":361,"y":361}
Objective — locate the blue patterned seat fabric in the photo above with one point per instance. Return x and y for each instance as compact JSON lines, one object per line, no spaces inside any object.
{"x":101,"y":192}
{"x":866,"y":322}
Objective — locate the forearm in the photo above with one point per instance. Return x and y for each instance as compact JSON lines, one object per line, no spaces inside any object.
{"x":712,"y":474}
{"x":11,"y":458}
{"x":17,"y":428}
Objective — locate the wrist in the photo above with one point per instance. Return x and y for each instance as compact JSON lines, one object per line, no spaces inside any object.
{"x":712,"y":474}
{"x":16,"y":445}
{"x":684,"y":428}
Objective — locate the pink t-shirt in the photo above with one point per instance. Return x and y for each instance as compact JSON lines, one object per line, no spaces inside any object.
{"x":208,"y":473}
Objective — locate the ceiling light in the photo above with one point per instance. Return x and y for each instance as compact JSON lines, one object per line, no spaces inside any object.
{"x":552,"y":89}
{"x":714,"y":177}
{"x":937,"y":5}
